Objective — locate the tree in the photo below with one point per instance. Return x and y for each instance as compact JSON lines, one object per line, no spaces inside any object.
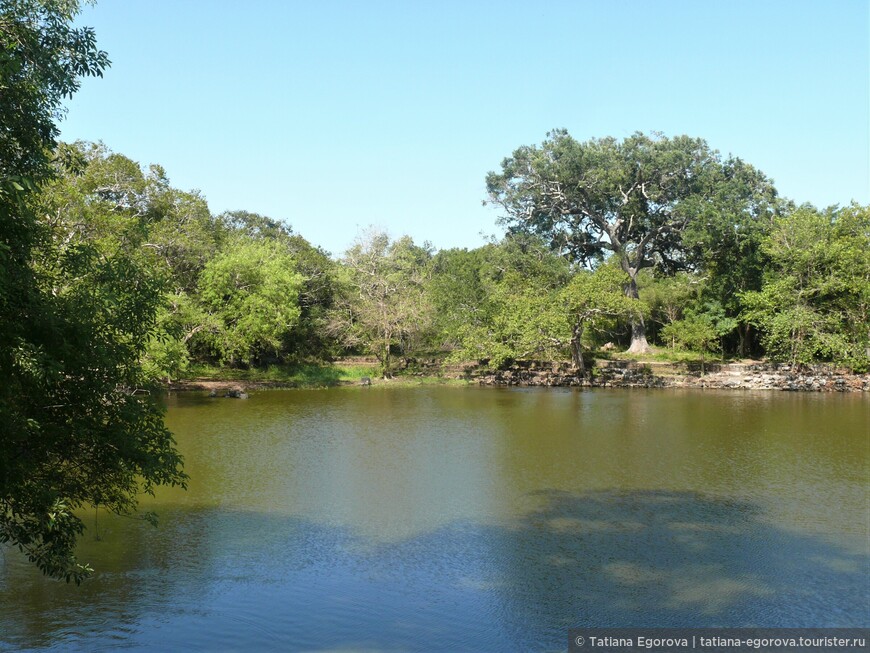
{"x":42,"y":61}
{"x":725,"y":246}
{"x":179,"y":319}
{"x":108,"y":202}
{"x":533,"y":305}
{"x":76,"y":428}
{"x":252,"y":291}
{"x":815,"y":301}
{"x":701,"y":330}
{"x":668,"y":296}
{"x":518,"y":320}
{"x":457,"y":292}
{"x":633,"y":198}
{"x":593,"y":297}
{"x":309,"y":338}
{"x":511,"y":312}
{"x":182,"y":234}
{"x":383,"y":305}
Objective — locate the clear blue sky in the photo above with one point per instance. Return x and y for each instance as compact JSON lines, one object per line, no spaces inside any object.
{"x":334,"y":116}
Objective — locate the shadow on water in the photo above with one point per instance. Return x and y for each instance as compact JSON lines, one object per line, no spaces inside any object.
{"x":227,"y":580}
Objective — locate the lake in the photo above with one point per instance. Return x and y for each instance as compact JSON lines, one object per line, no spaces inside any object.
{"x":465,"y":518}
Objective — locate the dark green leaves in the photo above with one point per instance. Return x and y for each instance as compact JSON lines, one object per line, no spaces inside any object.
{"x":77,"y":424}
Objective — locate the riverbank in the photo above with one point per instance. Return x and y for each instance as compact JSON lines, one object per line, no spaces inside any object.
{"x":746,"y":375}
{"x":220,"y":380}
{"x":351,"y":371}
{"x":225,"y":387}
{"x":743,"y":375}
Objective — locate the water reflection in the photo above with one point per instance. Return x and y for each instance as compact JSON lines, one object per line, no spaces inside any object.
{"x":218,"y":579}
{"x":474,"y":520}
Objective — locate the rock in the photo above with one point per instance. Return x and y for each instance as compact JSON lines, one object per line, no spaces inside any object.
{"x":625,"y":374}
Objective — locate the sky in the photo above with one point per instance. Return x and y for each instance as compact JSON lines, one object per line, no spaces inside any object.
{"x":334,"y":116}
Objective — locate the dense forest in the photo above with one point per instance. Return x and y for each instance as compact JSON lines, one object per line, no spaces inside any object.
{"x":658,"y":241}
{"x":113,"y":280}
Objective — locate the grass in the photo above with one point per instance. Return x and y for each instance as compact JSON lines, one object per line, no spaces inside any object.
{"x":406,"y":381}
{"x":324,"y":375}
{"x":312,"y":375}
{"x":308,"y":375}
{"x":664,"y":355}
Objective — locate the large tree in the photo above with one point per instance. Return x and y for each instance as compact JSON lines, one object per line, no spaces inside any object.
{"x":383,"y":307}
{"x":457,"y":291}
{"x":309,"y":338}
{"x":251,"y":290}
{"x":633,"y":198}
{"x":76,"y":428}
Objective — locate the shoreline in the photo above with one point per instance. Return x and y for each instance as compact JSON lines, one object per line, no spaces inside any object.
{"x":752,"y":375}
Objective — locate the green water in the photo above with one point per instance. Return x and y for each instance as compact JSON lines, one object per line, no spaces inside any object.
{"x":444,"y":518}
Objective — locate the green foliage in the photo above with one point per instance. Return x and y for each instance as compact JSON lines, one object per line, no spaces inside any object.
{"x":725,"y":238}
{"x":634,"y":198}
{"x":457,"y":292}
{"x":509,"y":311}
{"x":593,"y":300}
{"x":309,"y":338}
{"x":695,"y":332}
{"x":166,"y":356}
{"x":520,"y":323}
{"x":110,"y":202}
{"x":254,"y":226}
{"x":701,"y":329}
{"x":667,"y":296}
{"x":96,"y":197}
{"x":165,"y":359}
{"x":529,"y":304}
{"x":107,"y":200}
{"x":726,"y":245}
{"x":77,"y":426}
{"x":252,"y":290}
{"x":815,"y":301}
{"x":181,"y":232}
{"x":382,"y":306}
{"x":43,"y":57}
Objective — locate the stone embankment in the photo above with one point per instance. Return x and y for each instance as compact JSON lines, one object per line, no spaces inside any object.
{"x":631,"y":374}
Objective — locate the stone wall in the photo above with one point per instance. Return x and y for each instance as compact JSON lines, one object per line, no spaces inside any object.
{"x":630,"y":374}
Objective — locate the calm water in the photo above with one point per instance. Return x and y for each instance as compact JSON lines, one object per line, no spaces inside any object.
{"x":474,"y":519}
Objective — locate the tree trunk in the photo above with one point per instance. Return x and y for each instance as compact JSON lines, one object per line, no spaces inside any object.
{"x":386,"y":362}
{"x":743,"y":331}
{"x":639,"y":345}
{"x":577,"y":350}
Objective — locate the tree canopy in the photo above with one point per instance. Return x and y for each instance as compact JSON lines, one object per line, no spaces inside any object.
{"x":383,"y":306}
{"x":76,"y":428}
{"x":814,"y":303}
{"x":252,"y":290}
{"x":633,"y":198}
